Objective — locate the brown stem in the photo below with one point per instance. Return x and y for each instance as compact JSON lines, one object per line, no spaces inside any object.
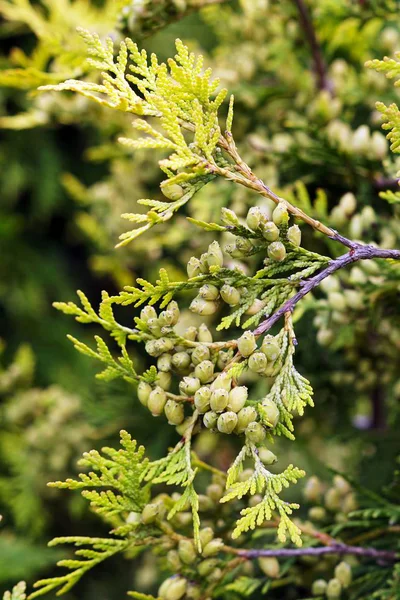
{"x":323,"y":82}
{"x":338,"y":548}
{"x":357,"y":252}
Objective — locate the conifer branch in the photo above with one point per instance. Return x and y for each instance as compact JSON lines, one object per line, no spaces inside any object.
{"x":337,"y":548}
{"x":357,"y":252}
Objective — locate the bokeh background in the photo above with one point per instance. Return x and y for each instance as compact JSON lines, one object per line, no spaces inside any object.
{"x":309,"y":128}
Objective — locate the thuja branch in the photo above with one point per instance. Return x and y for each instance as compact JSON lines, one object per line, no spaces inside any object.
{"x":357,"y":252}
{"x":341,"y":549}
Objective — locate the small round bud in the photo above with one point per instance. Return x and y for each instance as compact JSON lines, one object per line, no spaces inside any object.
{"x":150,"y":513}
{"x":337,"y":301}
{"x":269,"y":566}
{"x":214,"y":255}
{"x":280,"y":215}
{"x":223,"y":381}
{"x":294,"y":235}
{"x":354,"y":299}
{"x":180,"y":361}
{"x":317,"y":513}
{"x":267,"y":457}
{"x":190,"y":333}
{"x":164,"y":380}
{"x":257,"y":362}
{"x":313,"y":489}
{"x":174,"y":412}
{"x":202,"y":399}
{"x":204,"y":371}
{"x":173,"y":588}
{"x":213,"y":547}
{"x":229,"y":217}
{"x":215,"y":492}
{"x":361,"y":139}
{"x":193,"y":591}
{"x":205,"y":503}
{"x":187,"y":552}
{"x":230,"y":295}
{"x":379,"y":145}
{"x":199,"y":354}
{"x":255,"y":432}
{"x":270,"y":412}
{"x":348,"y":204}
{"x":343,"y":573}
{"x":255,"y":307}
{"x":172,"y":191}
{"x":349,"y":504}
{"x":204,"y":263}
{"x":244,"y":245}
{"x":209,"y":292}
{"x":341,"y":485}
{"x":174,"y":561}
{"x":210,"y":419}
{"x":325,"y":337}
{"x":173,"y":308}
{"x":204,"y":335}
{"x":193,"y":267}
{"x":270,"y":231}
{"x":334,"y":589}
{"x":164,"y":363}
{"x":143,"y":392}
{"x":206,"y":535}
{"x":189,"y":386}
{"x":224,"y":357}
{"x":154,"y":326}
{"x":227,"y":422}
{"x":219,"y":400}
{"x":148,"y":312}
{"x":156,"y":401}
{"x":319,"y":587}
{"x":332,"y":499}
{"x":237,"y":398}
{"x":207,"y":566}
{"x":245,"y":416}
{"x":276,"y":251}
{"x":270,"y":348}
{"x":166,"y":318}
{"x":247,"y":343}
{"x":253,"y":219}
{"x":330,"y":284}
{"x":203,"y":307}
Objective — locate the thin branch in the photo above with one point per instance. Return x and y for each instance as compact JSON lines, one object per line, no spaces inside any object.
{"x":357,"y":252}
{"x":323,"y":82}
{"x":379,"y":555}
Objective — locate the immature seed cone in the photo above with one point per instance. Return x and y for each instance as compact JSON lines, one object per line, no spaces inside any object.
{"x":202,"y":399}
{"x":172,"y":191}
{"x":270,"y":411}
{"x":187,"y":552}
{"x":230,"y":295}
{"x":229,"y":217}
{"x":214,"y":255}
{"x":199,"y":354}
{"x":207,"y":566}
{"x":253,"y":219}
{"x":193,"y":267}
{"x":174,"y":412}
{"x":166,"y":318}
{"x":270,"y":348}
{"x":255,"y":432}
{"x":204,"y":371}
{"x":257,"y":362}
{"x":164,"y":380}
{"x":156,"y":401}
{"x":276,"y":251}
{"x":213,"y":547}
{"x":280,"y":215}
{"x":237,"y":398}
{"x":343,"y":573}
{"x":319,"y":587}
{"x":313,"y":489}
{"x":173,"y":588}
{"x":269,"y":566}
{"x":180,"y":361}
{"x":317,"y":513}
{"x":189,"y":386}
{"x":148,"y":312}
{"x":294,"y":235}
{"x":174,"y":561}
{"x":209,"y":292}
{"x":215,"y":491}
{"x":150,"y":513}
{"x":203,"y":307}
{"x":247,"y":343}
{"x":332,"y":499}
{"x":210,"y":419}
{"x":223,"y":382}
{"x":219,"y":400}
{"x":227,"y":422}
{"x":164,"y":363}
{"x":334,"y":589}
{"x":267,"y":457}
{"x":270,"y":231}
{"x":244,"y":245}
{"x":143,"y":392}
{"x":206,"y":535}
{"x":245,"y":416}
{"x":204,"y":334}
